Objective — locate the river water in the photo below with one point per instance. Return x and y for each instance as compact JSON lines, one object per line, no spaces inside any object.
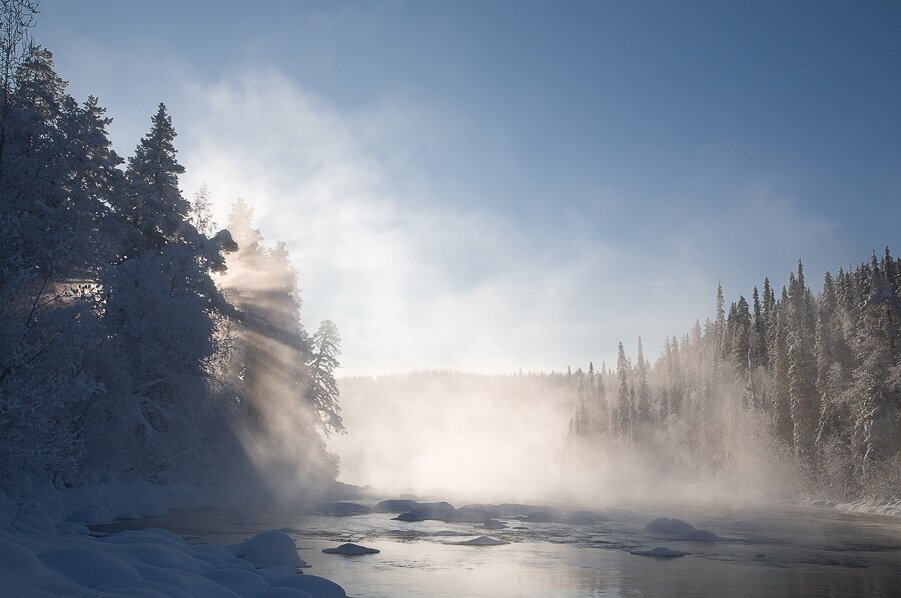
{"x":780,"y":550}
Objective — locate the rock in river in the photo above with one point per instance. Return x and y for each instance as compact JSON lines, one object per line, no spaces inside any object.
{"x":350,"y":549}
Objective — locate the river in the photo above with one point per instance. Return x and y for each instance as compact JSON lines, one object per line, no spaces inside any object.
{"x":779,"y":550}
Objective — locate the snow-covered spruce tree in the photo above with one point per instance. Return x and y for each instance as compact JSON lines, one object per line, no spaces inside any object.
{"x":643,"y":391}
{"x":161,"y":320}
{"x":202,"y":212}
{"x":623,"y":396}
{"x":675,"y":381}
{"x":155,"y":206}
{"x":802,"y":369}
{"x":877,"y":381}
{"x":323,"y":390}
{"x":781,"y":413}
{"x":741,"y":337}
{"x":57,"y":177}
{"x":598,"y":408}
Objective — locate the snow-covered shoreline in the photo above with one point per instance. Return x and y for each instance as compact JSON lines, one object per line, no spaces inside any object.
{"x":871,"y":506}
{"x":47,"y":550}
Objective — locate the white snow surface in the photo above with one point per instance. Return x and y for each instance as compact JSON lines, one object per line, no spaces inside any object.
{"x":44,"y":554}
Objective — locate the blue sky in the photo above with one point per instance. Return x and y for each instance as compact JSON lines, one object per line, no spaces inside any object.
{"x":489,"y":186}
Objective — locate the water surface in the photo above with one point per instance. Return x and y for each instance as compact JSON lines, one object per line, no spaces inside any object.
{"x":777,"y":551}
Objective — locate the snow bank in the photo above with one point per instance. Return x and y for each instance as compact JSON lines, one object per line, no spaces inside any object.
{"x":43,"y":556}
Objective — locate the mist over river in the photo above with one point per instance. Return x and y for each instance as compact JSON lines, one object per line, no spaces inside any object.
{"x":774,"y":550}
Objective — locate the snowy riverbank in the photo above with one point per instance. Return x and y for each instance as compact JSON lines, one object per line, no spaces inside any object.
{"x":46,"y":550}
{"x":873,"y":506}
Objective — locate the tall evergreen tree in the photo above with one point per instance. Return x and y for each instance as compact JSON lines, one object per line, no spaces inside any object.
{"x":782,"y":421}
{"x":623,"y":399}
{"x":643,"y":393}
{"x":155,"y":204}
{"x":802,"y":371}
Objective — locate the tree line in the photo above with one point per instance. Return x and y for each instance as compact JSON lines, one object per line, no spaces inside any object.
{"x":135,"y":341}
{"x":818,"y":375}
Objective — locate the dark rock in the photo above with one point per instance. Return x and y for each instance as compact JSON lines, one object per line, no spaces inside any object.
{"x":482,"y":541}
{"x":350,"y":549}
{"x":701,"y":535}
{"x":396,"y":506}
{"x":660,"y":551}
{"x":440,"y":511}
{"x":663,"y":525}
{"x":494,"y":524}
{"x":468,"y":515}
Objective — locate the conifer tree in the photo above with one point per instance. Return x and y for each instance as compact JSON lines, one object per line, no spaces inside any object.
{"x":623,"y":402}
{"x":782,"y":421}
{"x":155,"y":204}
{"x":877,"y":381}
{"x":643,"y":398}
{"x":741,"y":338}
{"x":323,"y":390}
{"x":757,"y":354}
{"x":802,"y":371}
{"x":202,"y":212}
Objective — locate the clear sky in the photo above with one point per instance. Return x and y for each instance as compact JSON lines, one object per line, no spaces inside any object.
{"x":491,"y":186}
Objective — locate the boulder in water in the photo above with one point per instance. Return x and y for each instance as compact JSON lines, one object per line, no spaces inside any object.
{"x":468,"y":515}
{"x":440,"y":511}
{"x":482,"y":541}
{"x":660,"y":551}
{"x":662,"y":525}
{"x":350,"y":549}
{"x":397,"y":505}
{"x":701,"y":535}
{"x":494,"y":524}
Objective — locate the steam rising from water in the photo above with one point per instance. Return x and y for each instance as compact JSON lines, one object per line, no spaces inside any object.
{"x":469,"y":437}
{"x":267,"y":369}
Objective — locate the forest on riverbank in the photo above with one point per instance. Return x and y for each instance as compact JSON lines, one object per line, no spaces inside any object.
{"x":136,"y":341}
{"x":809,"y":382}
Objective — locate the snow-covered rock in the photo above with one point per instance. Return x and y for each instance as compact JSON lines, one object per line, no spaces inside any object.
{"x":88,"y":567}
{"x":315,"y":586}
{"x":272,"y":549}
